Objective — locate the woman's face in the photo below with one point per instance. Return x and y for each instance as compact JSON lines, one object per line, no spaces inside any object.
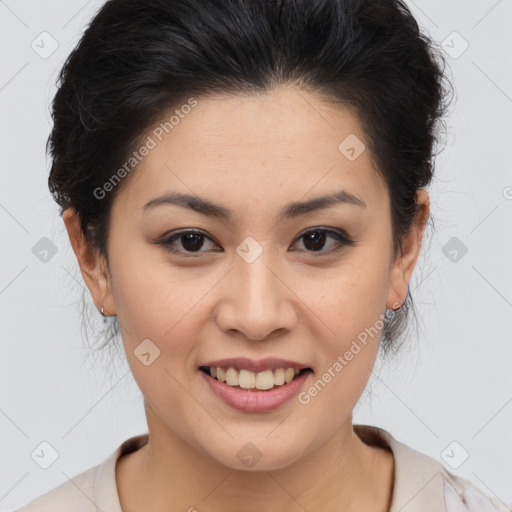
{"x":251,"y":287}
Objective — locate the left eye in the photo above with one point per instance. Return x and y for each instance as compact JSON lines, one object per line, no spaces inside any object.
{"x":314,"y":240}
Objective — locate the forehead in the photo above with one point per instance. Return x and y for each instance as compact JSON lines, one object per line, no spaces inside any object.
{"x":251,"y":149}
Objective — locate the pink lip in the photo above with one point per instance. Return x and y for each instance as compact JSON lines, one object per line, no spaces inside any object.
{"x":255,"y":366}
{"x":256,"y":400}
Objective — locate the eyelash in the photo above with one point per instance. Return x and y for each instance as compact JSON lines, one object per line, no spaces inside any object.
{"x":343,"y":241}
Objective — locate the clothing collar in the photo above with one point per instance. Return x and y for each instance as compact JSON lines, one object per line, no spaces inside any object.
{"x":105,"y":487}
{"x":417,"y":485}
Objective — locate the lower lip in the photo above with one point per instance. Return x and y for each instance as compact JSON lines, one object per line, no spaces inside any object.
{"x":256,"y":400}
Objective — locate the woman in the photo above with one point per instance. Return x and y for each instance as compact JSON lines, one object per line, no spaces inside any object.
{"x":243,"y":183}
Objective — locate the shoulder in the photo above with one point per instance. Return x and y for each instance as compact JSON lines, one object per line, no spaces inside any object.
{"x":421,"y":483}
{"x":462,"y":495}
{"x":92,"y":490}
{"x":78,"y":492}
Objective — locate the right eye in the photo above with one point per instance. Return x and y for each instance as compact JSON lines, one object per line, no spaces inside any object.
{"x":191,"y":242}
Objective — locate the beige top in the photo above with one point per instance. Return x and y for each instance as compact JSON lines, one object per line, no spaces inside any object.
{"x":421,"y":484}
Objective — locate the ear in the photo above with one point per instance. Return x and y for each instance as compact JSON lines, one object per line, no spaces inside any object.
{"x":404,"y":265}
{"x":92,"y":266}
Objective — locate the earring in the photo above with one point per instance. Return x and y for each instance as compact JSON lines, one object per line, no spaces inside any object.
{"x":103,"y":314}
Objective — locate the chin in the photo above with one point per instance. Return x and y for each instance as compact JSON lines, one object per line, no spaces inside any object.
{"x":261,"y":454}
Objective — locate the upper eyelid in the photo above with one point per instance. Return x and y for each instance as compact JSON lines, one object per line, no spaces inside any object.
{"x":302,"y":233}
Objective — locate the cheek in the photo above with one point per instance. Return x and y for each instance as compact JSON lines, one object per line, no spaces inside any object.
{"x":352,"y":296}
{"x":351,"y":303}
{"x":346,"y":360}
{"x":169,"y":306}
{"x":152,"y":298}
{"x":157,"y":304}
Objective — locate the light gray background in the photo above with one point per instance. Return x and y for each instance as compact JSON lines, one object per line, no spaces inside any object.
{"x":452,"y":383}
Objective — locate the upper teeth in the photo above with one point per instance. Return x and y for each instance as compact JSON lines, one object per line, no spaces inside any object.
{"x":251,"y":380}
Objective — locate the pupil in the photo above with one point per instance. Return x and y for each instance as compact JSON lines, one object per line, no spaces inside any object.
{"x":192,"y":241}
{"x":317,"y":238}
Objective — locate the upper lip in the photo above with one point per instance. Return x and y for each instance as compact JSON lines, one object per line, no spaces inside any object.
{"x":269,"y":363}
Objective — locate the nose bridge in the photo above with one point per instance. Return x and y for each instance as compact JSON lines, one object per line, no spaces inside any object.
{"x":256,"y":285}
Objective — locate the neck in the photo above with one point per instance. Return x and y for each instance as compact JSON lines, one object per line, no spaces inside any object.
{"x":343,"y":474}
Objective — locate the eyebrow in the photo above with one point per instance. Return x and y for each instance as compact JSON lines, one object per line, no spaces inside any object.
{"x":289,"y":211}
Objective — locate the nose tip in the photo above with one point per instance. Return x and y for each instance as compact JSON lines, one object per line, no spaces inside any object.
{"x":256,"y":324}
{"x":255,"y":302}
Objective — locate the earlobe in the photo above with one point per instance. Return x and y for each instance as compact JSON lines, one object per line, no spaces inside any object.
{"x":91,"y":264}
{"x":406,"y":261}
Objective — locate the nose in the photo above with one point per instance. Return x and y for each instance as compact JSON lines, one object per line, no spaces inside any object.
{"x":256,"y":301}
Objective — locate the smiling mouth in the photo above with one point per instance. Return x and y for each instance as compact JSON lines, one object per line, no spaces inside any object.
{"x":256,"y":381}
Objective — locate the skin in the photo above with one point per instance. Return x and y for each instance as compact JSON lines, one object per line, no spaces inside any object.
{"x":252,"y":154}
